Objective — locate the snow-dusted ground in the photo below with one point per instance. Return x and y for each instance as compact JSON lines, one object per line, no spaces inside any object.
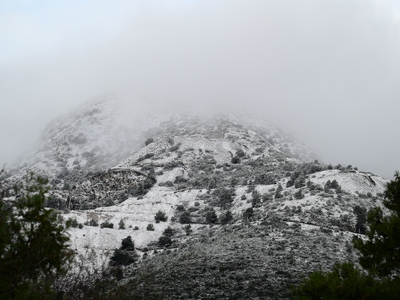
{"x":352,"y":182}
{"x":102,"y":135}
{"x":96,"y":243}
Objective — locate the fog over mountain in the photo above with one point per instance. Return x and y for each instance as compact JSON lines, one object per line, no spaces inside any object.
{"x":324,"y":71}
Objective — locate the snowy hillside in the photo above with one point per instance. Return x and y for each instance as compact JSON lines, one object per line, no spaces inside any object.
{"x":112,"y":171}
{"x":106,"y":130}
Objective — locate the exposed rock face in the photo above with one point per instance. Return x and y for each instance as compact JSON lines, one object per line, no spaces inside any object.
{"x":289,"y":214}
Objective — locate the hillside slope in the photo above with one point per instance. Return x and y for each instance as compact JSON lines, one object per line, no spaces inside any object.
{"x":251,"y":209}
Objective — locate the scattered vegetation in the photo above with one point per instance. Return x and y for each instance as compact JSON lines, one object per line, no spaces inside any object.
{"x":379,"y":258}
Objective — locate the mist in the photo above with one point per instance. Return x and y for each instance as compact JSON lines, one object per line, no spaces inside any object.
{"x":324,"y":71}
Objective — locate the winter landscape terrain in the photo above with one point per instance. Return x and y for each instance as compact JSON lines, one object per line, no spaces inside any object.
{"x":220,"y":206}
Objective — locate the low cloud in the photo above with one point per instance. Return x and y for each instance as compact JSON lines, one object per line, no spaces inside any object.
{"x":326,"y":71}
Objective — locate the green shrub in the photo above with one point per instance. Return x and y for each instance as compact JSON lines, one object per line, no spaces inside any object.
{"x":235,"y":160}
{"x":188,"y":229}
{"x":240,"y":153}
{"x":127,"y":244}
{"x":121,"y":224}
{"x":92,"y":222}
{"x":225,"y":196}
{"x":185,"y":218}
{"x":164,"y":241}
{"x":248,"y":213}
{"x":226,"y":218}
{"x":160,"y":217}
{"x":278,"y":192}
{"x":299,"y":194}
{"x":74,"y":223}
{"x":180,"y":208}
{"x":122,"y":257}
{"x":211,"y":216}
{"x":106,"y":224}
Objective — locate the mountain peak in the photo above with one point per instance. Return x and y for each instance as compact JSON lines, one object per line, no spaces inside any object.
{"x":107,"y":130}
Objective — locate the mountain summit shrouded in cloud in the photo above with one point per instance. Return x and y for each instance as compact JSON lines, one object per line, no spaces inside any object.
{"x":226,"y":202}
{"x":107,"y":130}
{"x":325,"y":71}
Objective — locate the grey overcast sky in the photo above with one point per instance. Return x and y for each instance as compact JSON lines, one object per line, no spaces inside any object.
{"x":328,"y":72}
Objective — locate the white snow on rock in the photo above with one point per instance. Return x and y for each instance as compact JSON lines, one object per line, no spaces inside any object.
{"x":352,"y":182}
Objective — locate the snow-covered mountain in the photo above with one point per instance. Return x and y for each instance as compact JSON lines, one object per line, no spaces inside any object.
{"x":109,"y":164}
{"x":106,"y":130}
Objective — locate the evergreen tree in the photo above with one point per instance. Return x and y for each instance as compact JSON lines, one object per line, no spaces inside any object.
{"x":327,"y":186}
{"x":225,"y":196}
{"x":188,"y":229}
{"x":160,"y":217}
{"x":226,"y":218}
{"x":165,"y":240}
{"x":185,"y":218}
{"x":169,"y":231}
{"x":278,"y":193}
{"x":125,"y":255}
{"x":121,"y":224}
{"x":299,"y":194}
{"x":334,"y":184}
{"x":127,"y":244}
{"x":211,"y":216}
{"x":380,"y":254}
{"x":300,"y":182}
{"x":256,"y":199}
{"x":248,"y":214}
{"x":33,"y":246}
{"x":361,"y":215}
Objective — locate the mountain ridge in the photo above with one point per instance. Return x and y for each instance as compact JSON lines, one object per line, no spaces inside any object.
{"x":195,"y":169}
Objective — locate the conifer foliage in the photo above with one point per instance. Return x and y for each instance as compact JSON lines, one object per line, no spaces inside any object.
{"x":33,"y":246}
{"x":125,"y":255}
{"x":380,"y":254}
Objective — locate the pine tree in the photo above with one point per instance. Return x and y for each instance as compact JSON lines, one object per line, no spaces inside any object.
{"x":121,"y":224}
{"x":278,"y":193}
{"x":33,"y":246}
{"x":211,"y":216}
{"x":226,"y":218}
{"x":380,"y":254}
{"x":361,"y":214}
{"x":299,"y":194}
{"x":125,"y":255}
{"x":160,"y":217}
